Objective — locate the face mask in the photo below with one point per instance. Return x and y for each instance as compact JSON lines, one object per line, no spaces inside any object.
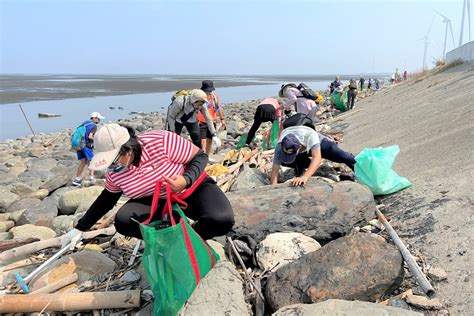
{"x":117,"y":168}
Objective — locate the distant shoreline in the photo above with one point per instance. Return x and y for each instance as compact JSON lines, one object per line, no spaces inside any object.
{"x":30,"y":88}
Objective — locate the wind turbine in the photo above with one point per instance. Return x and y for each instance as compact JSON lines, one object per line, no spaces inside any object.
{"x":448,"y":24}
{"x":466,"y":4}
{"x":426,"y":38}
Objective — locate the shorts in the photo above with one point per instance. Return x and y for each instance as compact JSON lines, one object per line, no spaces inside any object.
{"x":204,"y":131}
{"x":85,"y":153}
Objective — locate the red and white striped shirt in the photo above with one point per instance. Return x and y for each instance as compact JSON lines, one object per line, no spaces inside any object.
{"x":163,"y":154}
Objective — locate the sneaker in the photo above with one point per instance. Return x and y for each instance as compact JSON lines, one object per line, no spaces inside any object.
{"x":91,"y":180}
{"x":77,"y":182}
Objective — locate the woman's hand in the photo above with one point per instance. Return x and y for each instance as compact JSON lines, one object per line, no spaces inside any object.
{"x":299,"y":181}
{"x":177,"y":183}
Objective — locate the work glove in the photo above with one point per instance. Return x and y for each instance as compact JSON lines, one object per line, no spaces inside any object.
{"x":216,"y":142}
{"x":73,"y":237}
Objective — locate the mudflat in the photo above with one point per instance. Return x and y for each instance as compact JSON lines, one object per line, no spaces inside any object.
{"x":431,"y":119}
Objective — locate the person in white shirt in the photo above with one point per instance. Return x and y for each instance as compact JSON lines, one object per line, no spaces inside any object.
{"x":302,"y":148}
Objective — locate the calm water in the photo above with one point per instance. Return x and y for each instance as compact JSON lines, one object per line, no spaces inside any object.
{"x":74,"y":111}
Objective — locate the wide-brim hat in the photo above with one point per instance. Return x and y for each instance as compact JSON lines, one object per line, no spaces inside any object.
{"x":107,"y":143}
{"x":283,"y":86}
{"x":290,"y":146}
{"x":207,"y":86}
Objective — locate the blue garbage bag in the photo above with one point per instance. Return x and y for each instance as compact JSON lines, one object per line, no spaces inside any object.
{"x":374,"y":169}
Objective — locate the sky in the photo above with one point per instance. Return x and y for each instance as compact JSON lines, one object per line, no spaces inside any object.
{"x":221,"y":37}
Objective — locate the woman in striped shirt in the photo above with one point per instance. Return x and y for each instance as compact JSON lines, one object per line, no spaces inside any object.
{"x":135,"y":164}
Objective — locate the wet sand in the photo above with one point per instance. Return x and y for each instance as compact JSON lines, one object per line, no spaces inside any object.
{"x":27,"y":88}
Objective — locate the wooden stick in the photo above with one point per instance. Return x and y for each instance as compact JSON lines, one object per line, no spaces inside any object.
{"x":241,"y":161}
{"x":9,"y":244}
{"x":48,"y":243}
{"x":245,"y":269}
{"x":412,"y":265}
{"x":31,"y":128}
{"x":69,"y":301}
{"x":53,"y":287}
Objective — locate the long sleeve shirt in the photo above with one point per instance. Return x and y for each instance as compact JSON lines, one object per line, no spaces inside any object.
{"x":182,"y":111}
{"x":303,"y":105}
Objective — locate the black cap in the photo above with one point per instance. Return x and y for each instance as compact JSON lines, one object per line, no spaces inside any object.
{"x":207,"y":86}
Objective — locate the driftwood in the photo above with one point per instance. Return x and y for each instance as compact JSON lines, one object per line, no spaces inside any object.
{"x":9,"y":244}
{"x":68,"y":301}
{"x":412,"y":265}
{"x":59,"y":284}
{"x":48,"y":243}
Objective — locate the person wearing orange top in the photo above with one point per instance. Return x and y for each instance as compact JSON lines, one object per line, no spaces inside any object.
{"x":214,"y":107}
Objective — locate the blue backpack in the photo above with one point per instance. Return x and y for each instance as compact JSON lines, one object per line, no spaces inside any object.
{"x":78,"y":138}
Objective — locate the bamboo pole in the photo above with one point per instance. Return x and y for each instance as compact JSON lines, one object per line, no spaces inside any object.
{"x":59,"y":302}
{"x":59,"y":284}
{"x":412,"y":265}
{"x":48,"y":243}
{"x":31,"y":128}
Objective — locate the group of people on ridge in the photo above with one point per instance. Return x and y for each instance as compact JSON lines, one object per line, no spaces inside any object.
{"x":134,"y":163}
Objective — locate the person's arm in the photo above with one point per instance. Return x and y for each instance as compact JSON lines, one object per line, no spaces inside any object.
{"x":274,"y":174}
{"x":91,"y":133}
{"x":313,"y":166}
{"x":104,"y":203}
{"x":173,"y":112}
{"x":219,"y":111}
{"x":210,"y":124}
{"x":194,"y":168}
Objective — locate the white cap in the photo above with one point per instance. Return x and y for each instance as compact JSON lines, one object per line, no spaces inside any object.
{"x":198,"y":95}
{"x":97,"y":114}
{"x":107,"y":143}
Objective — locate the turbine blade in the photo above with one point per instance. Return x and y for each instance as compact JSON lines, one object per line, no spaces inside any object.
{"x":444,"y":16}
{"x":432,"y":20}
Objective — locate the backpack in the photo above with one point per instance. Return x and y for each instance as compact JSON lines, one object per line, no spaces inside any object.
{"x":180,"y":92}
{"x":78,"y":137}
{"x":299,"y":119}
{"x":307,"y":92}
{"x":352,"y":84}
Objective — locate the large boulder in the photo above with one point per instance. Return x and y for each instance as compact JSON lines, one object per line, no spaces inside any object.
{"x":70,"y":201}
{"x":250,"y":178}
{"x":283,"y":248}
{"x":218,"y":293}
{"x":32,"y":231}
{"x":23,"y":204}
{"x":62,"y":224}
{"x":41,"y":164}
{"x":41,"y":214}
{"x":343,"y":308}
{"x":58,"y":181}
{"x":319,"y":210}
{"x":85,"y":263}
{"x":356,"y":267}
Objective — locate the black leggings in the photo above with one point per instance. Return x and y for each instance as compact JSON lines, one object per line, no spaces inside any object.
{"x":264,"y":113}
{"x":193,"y":130}
{"x":329,"y":150}
{"x":207,"y":205}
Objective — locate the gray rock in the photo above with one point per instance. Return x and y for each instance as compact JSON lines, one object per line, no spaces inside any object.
{"x":41,"y":215}
{"x":343,"y":308}
{"x":283,"y":248}
{"x":6,"y":199}
{"x":218,"y":293}
{"x":234,"y":128}
{"x":328,"y":210}
{"x":70,"y":201}
{"x":62,"y":224}
{"x":5,"y":236}
{"x":32,"y":231}
{"x":30,"y":175}
{"x":60,"y":180}
{"x":57,"y":195}
{"x":85,"y":263}
{"x":25,"y":188}
{"x":41,"y":164}
{"x":327,"y":171}
{"x":250,"y":178}
{"x":23,"y":204}
{"x":437,"y":274}
{"x":131,"y":276}
{"x":357,"y":267}
{"x":7,"y":178}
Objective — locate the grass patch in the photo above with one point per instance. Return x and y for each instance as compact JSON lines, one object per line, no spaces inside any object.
{"x":452,"y":64}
